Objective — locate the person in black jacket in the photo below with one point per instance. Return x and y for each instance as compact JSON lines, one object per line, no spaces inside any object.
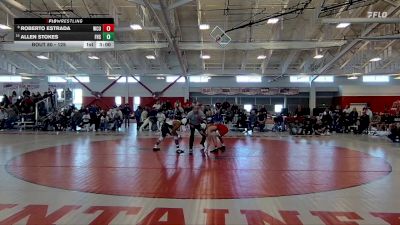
{"x":126,"y":111}
{"x":364,"y":123}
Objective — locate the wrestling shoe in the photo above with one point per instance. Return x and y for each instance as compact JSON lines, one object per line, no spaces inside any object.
{"x":222,"y":148}
{"x":156,"y":148}
{"x":179,"y":151}
{"x":215,"y":150}
{"x":190,"y":151}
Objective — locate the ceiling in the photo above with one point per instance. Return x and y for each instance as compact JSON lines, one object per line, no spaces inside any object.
{"x":171,"y":33}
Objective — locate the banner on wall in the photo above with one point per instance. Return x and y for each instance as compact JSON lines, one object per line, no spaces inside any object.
{"x":250,"y":91}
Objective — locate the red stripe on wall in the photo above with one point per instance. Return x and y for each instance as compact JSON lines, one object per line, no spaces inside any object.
{"x":377,"y":103}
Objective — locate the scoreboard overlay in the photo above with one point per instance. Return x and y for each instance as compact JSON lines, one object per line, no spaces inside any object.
{"x":86,"y":33}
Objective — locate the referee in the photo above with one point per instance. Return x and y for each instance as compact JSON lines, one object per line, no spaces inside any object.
{"x":195,"y":118}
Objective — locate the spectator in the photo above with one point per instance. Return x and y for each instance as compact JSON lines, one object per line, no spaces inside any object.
{"x":126,"y":111}
{"x":364,"y":123}
{"x":252,"y":121}
{"x":138,"y":114}
{"x":299,"y":111}
{"x":296,"y":128}
{"x":353,"y":116}
{"x":13,"y":98}
{"x":261,"y":118}
{"x":320,"y":129}
{"x":5,"y":102}
{"x":26,"y":92}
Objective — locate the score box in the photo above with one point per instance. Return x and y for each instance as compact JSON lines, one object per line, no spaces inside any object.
{"x":108,"y":27}
{"x":108,"y":36}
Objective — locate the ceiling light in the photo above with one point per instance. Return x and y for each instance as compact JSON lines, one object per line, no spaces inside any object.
{"x":205,"y":56}
{"x":343,"y":25}
{"x":261,"y":57}
{"x":353,"y":74}
{"x":352,"y":78}
{"x":160,"y":78}
{"x":112,"y":78}
{"x":150,"y":57}
{"x":318,"y":56}
{"x":375,"y":59}
{"x":4,"y":27}
{"x":204,"y":26}
{"x":397,"y":78}
{"x":42,"y":57}
{"x":273,"y":20}
{"x":26,"y":78}
{"x":136,"y":27}
{"x":93,"y":57}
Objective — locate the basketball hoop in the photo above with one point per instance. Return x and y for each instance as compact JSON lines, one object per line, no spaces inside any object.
{"x":220,"y":37}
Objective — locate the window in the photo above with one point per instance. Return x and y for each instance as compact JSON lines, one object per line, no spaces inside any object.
{"x":375,"y":78}
{"x":77,"y":98}
{"x":136,"y":102}
{"x":118,"y":100}
{"x":300,"y":79}
{"x":278,"y":108}
{"x":53,"y":79}
{"x":248,"y":79}
{"x":171,"y":79}
{"x":1,"y":98}
{"x":59,"y":94}
{"x":130,"y":80}
{"x":83,"y":79}
{"x":10,"y":79}
{"x":199,"y":79}
{"x":324,"y":79}
{"x":248,"y":107}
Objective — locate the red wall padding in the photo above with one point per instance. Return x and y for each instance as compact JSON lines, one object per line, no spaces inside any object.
{"x":377,"y":103}
{"x":104,"y":102}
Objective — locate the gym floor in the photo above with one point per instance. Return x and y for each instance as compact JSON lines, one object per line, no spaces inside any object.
{"x":116,"y":178}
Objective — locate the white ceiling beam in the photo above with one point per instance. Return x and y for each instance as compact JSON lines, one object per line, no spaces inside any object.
{"x":359,"y":20}
{"x":178,"y":3}
{"x":141,"y":2}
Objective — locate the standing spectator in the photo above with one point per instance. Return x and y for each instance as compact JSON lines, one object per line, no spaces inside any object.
{"x":5,"y":102}
{"x":252,"y":121}
{"x":26,"y":92}
{"x":3,"y":118}
{"x":13,"y":98}
{"x":138,"y":114}
{"x":127,"y":114}
{"x":299,"y":111}
{"x":364,"y":122}
{"x":353,"y":116}
{"x":68,"y":94}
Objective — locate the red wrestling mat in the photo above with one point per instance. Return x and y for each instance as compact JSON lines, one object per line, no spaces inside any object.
{"x":249,"y":168}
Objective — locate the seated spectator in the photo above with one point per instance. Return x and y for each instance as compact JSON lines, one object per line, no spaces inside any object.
{"x":308,"y":126}
{"x":320,"y":128}
{"x":296,"y":128}
{"x":261,"y":118}
{"x":395,"y":132}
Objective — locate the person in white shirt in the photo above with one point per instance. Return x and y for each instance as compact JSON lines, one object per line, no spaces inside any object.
{"x":157,"y":105}
{"x":86,"y":121}
{"x":160,"y":119}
